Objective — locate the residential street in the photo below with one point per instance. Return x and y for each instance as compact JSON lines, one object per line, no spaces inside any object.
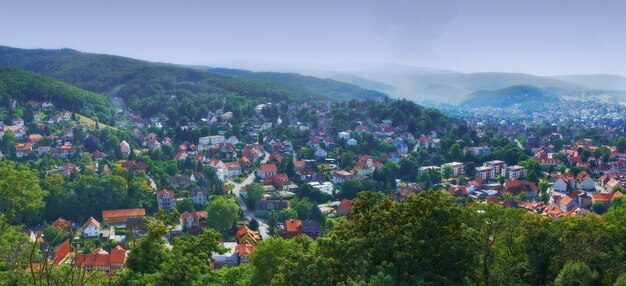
{"x":249,"y":214}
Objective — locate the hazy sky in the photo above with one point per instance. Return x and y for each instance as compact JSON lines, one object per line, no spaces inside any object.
{"x":541,"y":37}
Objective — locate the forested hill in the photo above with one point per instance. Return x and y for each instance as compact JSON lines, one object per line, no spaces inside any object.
{"x":145,"y":86}
{"x":327,"y":88}
{"x":24,"y":86}
{"x":519,"y":94}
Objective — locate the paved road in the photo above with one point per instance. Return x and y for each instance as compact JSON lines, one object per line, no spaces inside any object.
{"x":263,"y":227}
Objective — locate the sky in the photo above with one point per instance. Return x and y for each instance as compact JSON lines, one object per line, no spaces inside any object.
{"x":539,"y":37}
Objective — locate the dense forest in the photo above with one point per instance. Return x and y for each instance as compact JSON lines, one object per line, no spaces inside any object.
{"x":23,"y":86}
{"x":145,"y":86}
{"x":325,"y":88}
{"x":429,"y":239}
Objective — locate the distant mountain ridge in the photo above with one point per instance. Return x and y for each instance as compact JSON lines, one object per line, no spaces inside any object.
{"x":507,"y":97}
{"x":326,"y":87}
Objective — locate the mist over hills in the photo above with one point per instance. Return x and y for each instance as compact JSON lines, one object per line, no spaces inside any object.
{"x":424,"y":84}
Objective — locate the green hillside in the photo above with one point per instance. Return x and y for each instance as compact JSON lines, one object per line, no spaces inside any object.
{"x":326,"y":88}
{"x":24,"y":85}
{"x":151,"y":88}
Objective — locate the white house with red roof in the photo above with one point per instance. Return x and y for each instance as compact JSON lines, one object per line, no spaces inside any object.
{"x":266,"y":170}
{"x":91,"y":228}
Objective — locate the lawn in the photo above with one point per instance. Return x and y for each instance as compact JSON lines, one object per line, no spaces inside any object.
{"x":89,"y":121}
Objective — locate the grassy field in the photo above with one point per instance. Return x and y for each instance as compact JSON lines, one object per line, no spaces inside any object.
{"x":87,"y":120}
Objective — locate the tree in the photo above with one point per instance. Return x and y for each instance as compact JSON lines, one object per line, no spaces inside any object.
{"x":254,"y":193}
{"x":254,"y":224}
{"x":185,"y":205}
{"x":455,"y":153}
{"x":54,"y":235}
{"x":8,"y":142}
{"x":350,"y":188}
{"x":222,"y":213}
{"x":447,"y":172}
{"x":575,"y":273}
{"x":599,"y":208}
{"x":302,"y":207}
{"x":269,"y":257}
{"x":20,"y":191}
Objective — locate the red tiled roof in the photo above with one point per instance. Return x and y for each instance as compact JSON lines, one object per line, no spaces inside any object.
{"x":123,"y":213}
{"x":268,"y":168}
{"x":293,"y":225}
{"x":245,"y":248}
{"x":90,"y":221}
{"x":62,"y":224}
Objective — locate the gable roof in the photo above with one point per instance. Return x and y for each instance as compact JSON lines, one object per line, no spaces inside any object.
{"x":93,"y":221}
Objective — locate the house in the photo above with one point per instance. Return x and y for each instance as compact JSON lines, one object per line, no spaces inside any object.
{"x":233,"y":169}
{"x":199,"y":195}
{"x":329,"y":142}
{"x":23,"y":149}
{"x":244,"y":250}
{"x":266,"y":170}
{"x":264,"y":207}
{"x":17,"y":121}
{"x":62,"y":224}
{"x":193,"y":220}
{"x":483,"y":172}
{"x":246,"y":234}
{"x":497,"y":168}
{"x":567,"y":203}
{"x":341,"y":176}
{"x":60,"y":252}
{"x":607,"y":198}
{"x":166,"y":200}
{"x":294,"y":227}
{"x":198,"y":178}
{"x":345,"y":207}
{"x":564,"y":183}
{"x":585,"y":182}
{"x":120,"y":216}
{"x":233,"y":140}
{"x":124,"y":148}
{"x":457,"y":168}
{"x":343,"y":135}
{"x":100,"y":260}
{"x":516,"y":187}
{"x":515,"y":172}
{"x":91,"y":228}
{"x":180,"y":181}
{"x":320,"y":153}
{"x":34,"y":138}
{"x":230,"y":258}
{"x":352,"y":142}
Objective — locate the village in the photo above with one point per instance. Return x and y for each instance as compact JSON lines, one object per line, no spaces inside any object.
{"x":290,"y":173}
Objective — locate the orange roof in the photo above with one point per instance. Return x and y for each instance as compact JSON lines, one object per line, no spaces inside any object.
{"x":245,"y":248}
{"x":345,"y":206}
{"x":293,"y":225}
{"x":565,"y":200}
{"x":118,"y":255}
{"x":602,"y":197}
{"x":62,"y":224}
{"x":123,"y":213}
{"x":244,"y":231}
{"x":93,"y":221}
{"x":268,"y":168}
{"x":617,"y":195}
